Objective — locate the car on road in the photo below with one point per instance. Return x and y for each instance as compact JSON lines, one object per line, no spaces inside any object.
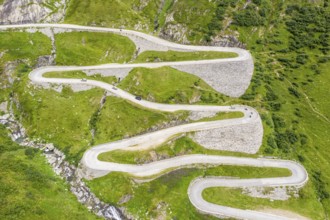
{"x":84,"y":80}
{"x":138,"y":98}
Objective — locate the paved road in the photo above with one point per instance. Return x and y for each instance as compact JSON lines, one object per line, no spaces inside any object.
{"x":98,"y":168}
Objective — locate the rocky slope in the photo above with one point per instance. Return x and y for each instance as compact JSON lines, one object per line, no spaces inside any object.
{"x":61,"y":167}
{"x":31,"y":11}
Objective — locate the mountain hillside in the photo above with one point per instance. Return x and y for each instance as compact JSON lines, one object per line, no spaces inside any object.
{"x":289,"y":41}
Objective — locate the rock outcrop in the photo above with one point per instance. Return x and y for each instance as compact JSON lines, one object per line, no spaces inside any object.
{"x":32,"y":11}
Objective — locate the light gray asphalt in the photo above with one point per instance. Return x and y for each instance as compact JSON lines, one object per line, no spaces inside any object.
{"x":90,"y":160}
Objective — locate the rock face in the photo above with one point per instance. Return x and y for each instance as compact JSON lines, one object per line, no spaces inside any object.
{"x":175,"y":32}
{"x":227,"y":41}
{"x":32,"y":11}
{"x":62,"y":168}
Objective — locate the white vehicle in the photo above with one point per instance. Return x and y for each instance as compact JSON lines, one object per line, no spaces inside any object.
{"x":84,"y":80}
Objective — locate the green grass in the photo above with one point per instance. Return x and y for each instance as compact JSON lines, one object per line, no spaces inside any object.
{"x":168,"y":85}
{"x":162,"y":15}
{"x":113,"y":14}
{"x":224,"y":115}
{"x":81,"y":75}
{"x":45,"y":115}
{"x":292,"y":129}
{"x":181,"y":146}
{"x":164,"y":56}
{"x":30,"y":189}
{"x":234,"y":198}
{"x":303,"y":136}
{"x":119,"y":118}
{"x":86,"y":48}
{"x":23,"y":45}
{"x":193,"y":17}
{"x":296,"y":132}
{"x":153,"y":16}
{"x":147,"y":196}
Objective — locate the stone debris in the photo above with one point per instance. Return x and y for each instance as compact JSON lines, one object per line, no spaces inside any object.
{"x":52,"y":86}
{"x":245,"y":138}
{"x":235,"y":75}
{"x":175,"y":32}
{"x":3,"y":107}
{"x":62,"y":168}
{"x":227,"y":41}
{"x":9,"y":71}
{"x":164,"y":125}
{"x":271,"y":193}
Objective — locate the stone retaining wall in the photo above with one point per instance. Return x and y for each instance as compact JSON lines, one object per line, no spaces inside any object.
{"x":229,"y":78}
{"x":245,"y":138}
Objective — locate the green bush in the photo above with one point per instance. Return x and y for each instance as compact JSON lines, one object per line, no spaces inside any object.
{"x":294,"y":92}
{"x":248,"y":17}
{"x":30,"y":152}
{"x":278,"y":122}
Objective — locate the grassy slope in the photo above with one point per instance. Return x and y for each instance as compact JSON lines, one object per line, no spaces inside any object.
{"x":287,"y":118}
{"x":45,"y":114}
{"x":313,"y":154}
{"x":188,"y":14}
{"x":85,"y":48}
{"x":119,"y":118}
{"x":176,"y":203}
{"x":30,"y":189}
{"x":159,"y":56}
{"x":38,"y":107}
{"x":235,"y":198}
{"x":154,"y":17}
{"x":146,"y":16}
{"x":299,"y":132}
{"x":128,"y":13}
{"x":168,"y":85}
{"x":181,"y":146}
{"x":21,"y":45}
{"x":41,"y":106}
{"x":23,"y":49}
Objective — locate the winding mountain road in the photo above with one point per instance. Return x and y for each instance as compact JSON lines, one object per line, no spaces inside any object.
{"x":95,"y":168}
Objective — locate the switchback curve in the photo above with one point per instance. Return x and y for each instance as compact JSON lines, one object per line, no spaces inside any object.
{"x":94,"y":168}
